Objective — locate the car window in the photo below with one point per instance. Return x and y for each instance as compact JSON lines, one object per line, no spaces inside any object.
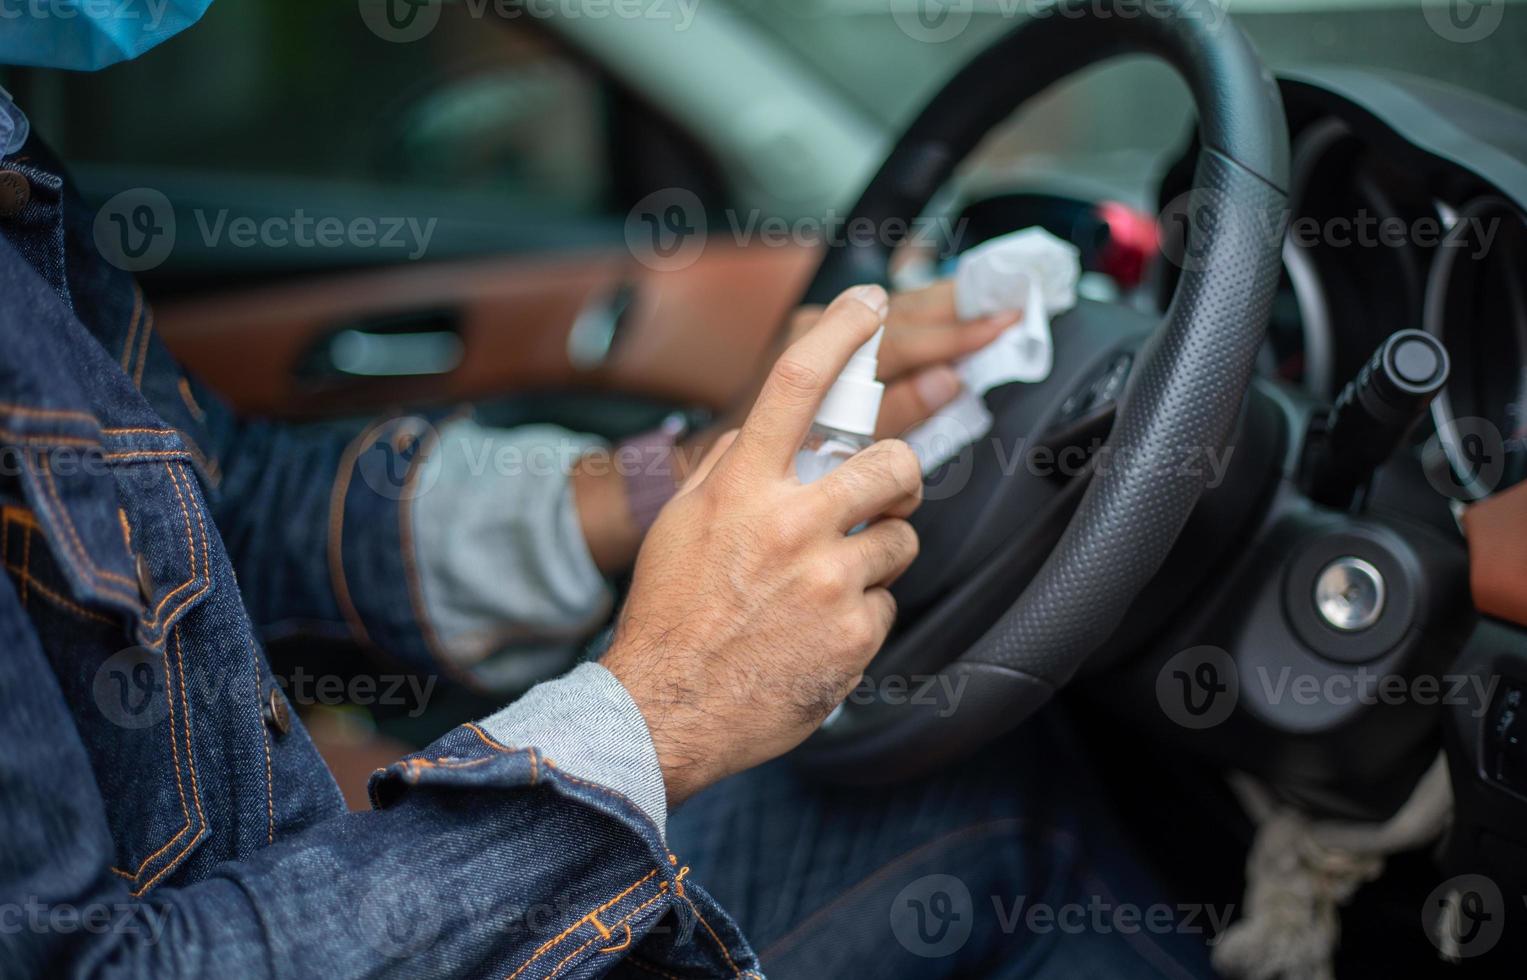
{"x":303,"y":90}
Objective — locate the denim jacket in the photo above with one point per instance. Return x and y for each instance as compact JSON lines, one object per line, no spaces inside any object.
{"x":163,"y":811}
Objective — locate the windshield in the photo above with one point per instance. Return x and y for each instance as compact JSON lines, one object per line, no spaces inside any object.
{"x":889,"y":54}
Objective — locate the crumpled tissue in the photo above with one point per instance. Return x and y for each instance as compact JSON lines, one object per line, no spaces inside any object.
{"x":1031,"y":270}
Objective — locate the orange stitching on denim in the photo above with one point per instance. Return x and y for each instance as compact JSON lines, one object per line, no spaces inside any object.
{"x":18,"y":515}
{"x":156,"y":622}
{"x":128,"y":455}
{"x":48,"y":413}
{"x":625,"y":943}
{"x":127,"y":531}
{"x":54,"y":597}
{"x":491,"y":742}
{"x":736,"y":970}
{"x":551,"y":943}
{"x":74,"y":538}
{"x":336,"y":534}
{"x":184,"y":386}
{"x":26,"y":563}
{"x":132,"y":326}
{"x":190,"y":757}
{"x":185,"y":811}
{"x":600,"y":927}
{"x":406,"y":546}
{"x":626,"y":921}
{"x":45,"y":439}
{"x":270,"y":799}
{"x":148,"y":331}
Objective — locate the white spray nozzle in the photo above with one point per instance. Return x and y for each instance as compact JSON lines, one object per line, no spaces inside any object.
{"x":853,"y":402}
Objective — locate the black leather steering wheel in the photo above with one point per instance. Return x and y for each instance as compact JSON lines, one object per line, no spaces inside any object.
{"x":1185,"y":391}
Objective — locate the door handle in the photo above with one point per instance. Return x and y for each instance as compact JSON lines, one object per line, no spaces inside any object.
{"x":415,"y":344}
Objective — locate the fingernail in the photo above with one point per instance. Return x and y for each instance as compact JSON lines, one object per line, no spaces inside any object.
{"x":874,"y":297}
{"x":937,"y":386}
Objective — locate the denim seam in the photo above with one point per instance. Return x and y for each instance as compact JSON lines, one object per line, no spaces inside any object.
{"x":29,"y":581}
{"x":195,"y":794}
{"x":625,"y":920}
{"x":410,"y":570}
{"x":73,"y":535}
{"x":154,"y":622}
{"x":132,"y":327}
{"x":189,"y":399}
{"x":555,"y":940}
{"x":143,"y":339}
{"x":338,"y":494}
{"x":736,"y":970}
{"x":185,"y":811}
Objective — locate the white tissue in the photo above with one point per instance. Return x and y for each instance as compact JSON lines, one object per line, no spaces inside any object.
{"x":1030,"y":270}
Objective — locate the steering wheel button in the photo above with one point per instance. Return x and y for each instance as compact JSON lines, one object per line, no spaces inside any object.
{"x":1350,"y":594}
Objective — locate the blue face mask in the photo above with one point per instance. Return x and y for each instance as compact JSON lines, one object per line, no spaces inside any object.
{"x":89,"y":34}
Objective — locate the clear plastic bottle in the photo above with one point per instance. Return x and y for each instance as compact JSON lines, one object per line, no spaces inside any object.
{"x":845,"y":423}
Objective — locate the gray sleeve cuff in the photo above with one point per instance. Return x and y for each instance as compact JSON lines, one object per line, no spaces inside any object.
{"x":588,"y":725}
{"x":500,"y":553}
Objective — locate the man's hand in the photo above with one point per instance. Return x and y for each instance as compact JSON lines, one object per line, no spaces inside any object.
{"x":923,"y":337}
{"x":753,"y":612}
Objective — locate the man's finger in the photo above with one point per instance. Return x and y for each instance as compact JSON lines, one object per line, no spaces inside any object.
{"x":912,"y":400}
{"x":884,"y":479}
{"x":883,"y":551}
{"x":708,"y":461}
{"x":908,"y":348}
{"x":795,"y":387}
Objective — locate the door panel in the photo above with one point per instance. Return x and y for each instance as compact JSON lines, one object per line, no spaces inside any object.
{"x":692,"y":336}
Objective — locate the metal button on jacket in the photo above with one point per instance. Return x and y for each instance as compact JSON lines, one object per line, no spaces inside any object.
{"x":277,"y":714}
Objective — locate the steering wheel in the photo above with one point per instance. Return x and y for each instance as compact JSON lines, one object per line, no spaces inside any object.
{"x":1188,"y":380}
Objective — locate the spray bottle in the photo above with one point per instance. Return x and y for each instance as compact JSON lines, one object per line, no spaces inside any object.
{"x":845,"y":423}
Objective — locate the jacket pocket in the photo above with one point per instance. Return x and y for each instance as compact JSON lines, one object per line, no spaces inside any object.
{"x":109,"y":558}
